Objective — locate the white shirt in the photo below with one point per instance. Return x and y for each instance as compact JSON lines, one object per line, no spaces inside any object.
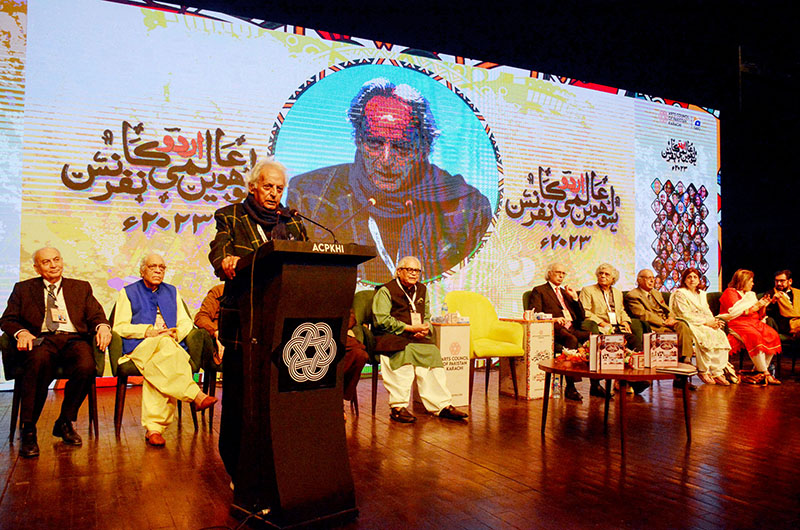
{"x":62,"y":305}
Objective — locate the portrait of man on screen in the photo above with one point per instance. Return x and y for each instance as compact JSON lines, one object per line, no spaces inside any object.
{"x":391,"y":196}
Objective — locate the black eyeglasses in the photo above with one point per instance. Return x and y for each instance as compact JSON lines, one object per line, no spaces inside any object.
{"x":410,"y":270}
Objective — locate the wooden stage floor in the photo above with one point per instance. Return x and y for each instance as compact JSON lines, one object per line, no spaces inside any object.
{"x":740,"y":470}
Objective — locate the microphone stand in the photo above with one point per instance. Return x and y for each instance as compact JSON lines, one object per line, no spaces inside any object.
{"x":295,"y":213}
{"x":350,"y":217}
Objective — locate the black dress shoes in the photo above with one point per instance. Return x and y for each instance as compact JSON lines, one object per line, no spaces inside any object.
{"x":29,"y":447}
{"x":572,"y":393}
{"x":402,"y":415}
{"x":680,"y":382}
{"x":66,"y":431}
{"x":599,"y":391}
{"x":452,"y":413}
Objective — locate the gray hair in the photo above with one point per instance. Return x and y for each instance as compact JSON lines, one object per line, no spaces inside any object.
{"x":422,"y":117}
{"x":551,"y":268}
{"x":404,"y":260}
{"x":613,"y":270}
{"x":261,"y":165}
{"x":143,"y":261}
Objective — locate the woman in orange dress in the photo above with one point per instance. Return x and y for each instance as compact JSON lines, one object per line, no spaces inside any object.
{"x":744,"y":313}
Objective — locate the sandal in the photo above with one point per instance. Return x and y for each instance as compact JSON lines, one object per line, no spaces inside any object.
{"x":730,"y":374}
{"x":771,"y":380}
{"x":720,"y":380}
{"x":753,"y":379}
{"x":706,"y":378}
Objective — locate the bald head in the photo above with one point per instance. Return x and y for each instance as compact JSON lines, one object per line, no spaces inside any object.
{"x":48,"y":264}
{"x":646,"y":280}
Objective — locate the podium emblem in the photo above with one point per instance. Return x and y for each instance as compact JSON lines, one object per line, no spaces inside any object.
{"x":309,"y":352}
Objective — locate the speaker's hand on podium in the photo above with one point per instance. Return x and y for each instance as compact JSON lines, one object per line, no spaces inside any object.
{"x":229,"y":266}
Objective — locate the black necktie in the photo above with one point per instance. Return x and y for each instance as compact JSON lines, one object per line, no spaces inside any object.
{"x":51,"y":305}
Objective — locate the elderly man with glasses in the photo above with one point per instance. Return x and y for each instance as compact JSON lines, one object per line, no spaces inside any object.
{"x":560,"y":300}
{"x":647,"y":304}
{"x":392,"y":195}
{"x":403,"y":338}
{"x":152,"y":321}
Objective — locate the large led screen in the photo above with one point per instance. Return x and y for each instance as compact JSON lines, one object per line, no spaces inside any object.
{"x":125,"y":127}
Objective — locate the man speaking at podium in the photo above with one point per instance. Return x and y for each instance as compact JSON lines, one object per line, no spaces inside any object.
{"x":241,"y":229}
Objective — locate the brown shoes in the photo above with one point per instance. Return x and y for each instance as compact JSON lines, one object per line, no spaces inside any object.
{"x":572,"y":393}
{"x":29,"y":447}
{"x":402,"y":415}
{"x":452,"y":413}
{"x":155,"y":439}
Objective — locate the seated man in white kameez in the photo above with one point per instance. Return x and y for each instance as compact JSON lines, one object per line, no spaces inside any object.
{"x":152,"y":321}
{"x":403,"y":338}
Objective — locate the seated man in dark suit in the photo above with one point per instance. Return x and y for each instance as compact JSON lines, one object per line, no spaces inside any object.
{"x":53,"y":319}
{"x":561,"y":302}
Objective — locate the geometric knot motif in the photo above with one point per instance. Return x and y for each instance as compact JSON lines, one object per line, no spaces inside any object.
{"x":301,"y":367}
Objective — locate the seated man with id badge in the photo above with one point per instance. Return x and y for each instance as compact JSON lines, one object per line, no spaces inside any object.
{"x":604,"y":305}
{"x":54,"y":321}
{"x":403,"y":339}
{"x":152,"y":320}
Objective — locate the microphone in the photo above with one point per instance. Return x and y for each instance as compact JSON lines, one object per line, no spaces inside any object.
{"x":412,"y":212}
{"x":294,"y":213}
{"x":417,"y":233}
{"x":349,"y":218}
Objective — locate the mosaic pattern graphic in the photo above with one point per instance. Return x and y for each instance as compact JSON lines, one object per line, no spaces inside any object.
{"x":680,"y":231}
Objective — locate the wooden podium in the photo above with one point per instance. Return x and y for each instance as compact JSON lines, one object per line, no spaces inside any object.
{"x":294,"y":302}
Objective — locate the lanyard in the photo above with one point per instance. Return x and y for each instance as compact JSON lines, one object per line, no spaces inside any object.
{"x":56,"y":292}
{"x":410,"y":298}
{"x":609,"y":296}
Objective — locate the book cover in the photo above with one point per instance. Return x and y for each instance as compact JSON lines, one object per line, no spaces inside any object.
{"x":660,"y":350}
{"x":611,"y":352}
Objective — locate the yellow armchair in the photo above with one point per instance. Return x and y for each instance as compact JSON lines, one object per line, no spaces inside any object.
{"x":489,"y":336}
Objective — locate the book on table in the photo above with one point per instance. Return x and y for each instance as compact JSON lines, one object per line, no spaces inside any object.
{"x":607,"y":353}
{"x":660,"y":349}
{"x":679,"y":369}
